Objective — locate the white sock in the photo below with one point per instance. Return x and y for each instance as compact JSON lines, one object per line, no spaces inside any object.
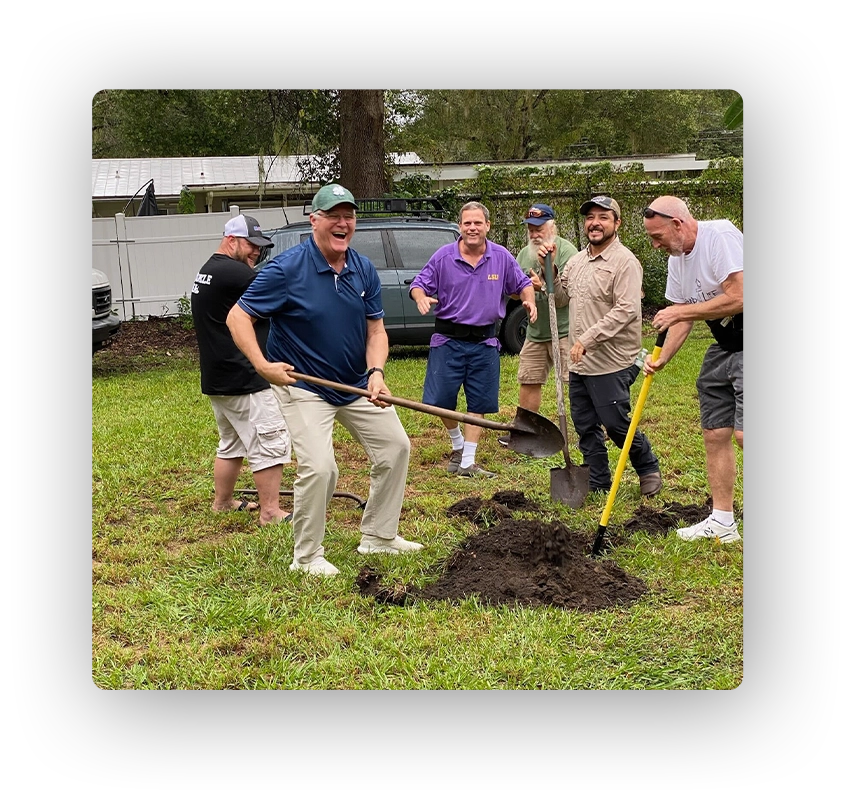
{"x":468,"y":454}
{"x":723,"y":517}
{"x":456,"y":437}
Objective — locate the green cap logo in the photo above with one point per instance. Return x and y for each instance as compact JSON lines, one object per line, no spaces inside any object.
{"x":330,"y":196}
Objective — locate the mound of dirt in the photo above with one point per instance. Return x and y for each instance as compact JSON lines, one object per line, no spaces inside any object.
{"x":529,"y":562}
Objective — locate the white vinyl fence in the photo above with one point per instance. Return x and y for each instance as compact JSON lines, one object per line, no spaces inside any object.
{"x":151,"y":262}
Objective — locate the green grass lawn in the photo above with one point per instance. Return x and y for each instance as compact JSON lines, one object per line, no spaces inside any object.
{"x":187,"y":598}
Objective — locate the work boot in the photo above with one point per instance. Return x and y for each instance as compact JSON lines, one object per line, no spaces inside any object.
{"x":650,"y":484}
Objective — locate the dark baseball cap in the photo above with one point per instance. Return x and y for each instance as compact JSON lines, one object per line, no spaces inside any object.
{"x":244,"y":226}
{"x":539,"y":214}
{"x":605,"y":202}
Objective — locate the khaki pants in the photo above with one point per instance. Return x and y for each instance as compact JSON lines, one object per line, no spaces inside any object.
{"x":310,"y":421}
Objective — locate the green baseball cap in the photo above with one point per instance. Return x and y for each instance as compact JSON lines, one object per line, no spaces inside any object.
{"x":330,"y":196}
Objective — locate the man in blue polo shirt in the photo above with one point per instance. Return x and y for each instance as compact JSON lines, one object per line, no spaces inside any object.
{"x":323,"y":301}
{"x":468,"y":282}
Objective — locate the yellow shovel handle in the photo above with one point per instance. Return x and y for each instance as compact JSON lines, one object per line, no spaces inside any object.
{"x":634,"y":423}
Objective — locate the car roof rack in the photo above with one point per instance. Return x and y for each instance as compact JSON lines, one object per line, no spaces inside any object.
{"x":405,"y":207}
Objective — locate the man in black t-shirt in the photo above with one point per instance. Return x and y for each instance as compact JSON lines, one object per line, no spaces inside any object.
{"x":247,"y":414}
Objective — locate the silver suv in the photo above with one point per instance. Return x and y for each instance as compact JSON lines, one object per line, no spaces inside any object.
{"x":399,"y":235}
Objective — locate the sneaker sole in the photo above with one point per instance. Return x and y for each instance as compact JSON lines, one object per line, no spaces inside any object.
{"x":379,"y":550}
{"x":730,"y":538}
{"x":383,"y":550}
{"x":304,"y":570}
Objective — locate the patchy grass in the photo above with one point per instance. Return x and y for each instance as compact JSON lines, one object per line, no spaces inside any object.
{"x":187,"y":598}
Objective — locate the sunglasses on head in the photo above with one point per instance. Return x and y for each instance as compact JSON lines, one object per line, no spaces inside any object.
{"x":649,"y":213}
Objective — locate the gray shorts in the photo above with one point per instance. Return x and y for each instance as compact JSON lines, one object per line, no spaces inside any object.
{"x":251,"y":426}
{"x":720,"y":389}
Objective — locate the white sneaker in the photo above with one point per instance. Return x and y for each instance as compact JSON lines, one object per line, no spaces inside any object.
{"x":318,"y":566}
{"x":711,"y":528}
{"x":377,"y":545}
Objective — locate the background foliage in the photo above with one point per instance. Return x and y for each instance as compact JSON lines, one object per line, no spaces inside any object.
{"x":509,"y":191}
{"x":439,"y":125}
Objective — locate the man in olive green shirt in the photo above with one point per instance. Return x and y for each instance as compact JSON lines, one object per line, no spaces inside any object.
{"x":536,"y":357}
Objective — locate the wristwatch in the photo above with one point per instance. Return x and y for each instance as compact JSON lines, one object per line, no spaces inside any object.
{"x":371,"y":371}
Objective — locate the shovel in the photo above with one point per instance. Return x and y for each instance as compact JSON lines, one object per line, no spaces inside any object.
{"x":571,"y":483}
{"x":628,"y":441}
{"x":530,"y":433}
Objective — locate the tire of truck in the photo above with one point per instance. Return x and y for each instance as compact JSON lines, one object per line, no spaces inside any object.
{"x":513,"y":332}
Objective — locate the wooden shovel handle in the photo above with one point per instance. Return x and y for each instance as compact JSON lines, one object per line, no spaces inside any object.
{"x":556,"y":355}
{"x":404,"y":402}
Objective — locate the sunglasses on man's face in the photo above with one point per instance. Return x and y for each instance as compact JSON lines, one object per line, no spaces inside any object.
{"x":648,"y":212}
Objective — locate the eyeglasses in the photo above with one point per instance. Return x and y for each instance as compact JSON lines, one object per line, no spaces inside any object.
{"x":648,"y":213}
{"x":346,"y":217}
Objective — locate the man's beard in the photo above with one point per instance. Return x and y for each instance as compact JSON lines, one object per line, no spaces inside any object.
{"x":547,"y":239}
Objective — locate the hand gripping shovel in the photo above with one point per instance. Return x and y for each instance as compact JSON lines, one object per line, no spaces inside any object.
{"x":530,"y":433}
{"x":628,"y":441}
{"x":571,"y":483}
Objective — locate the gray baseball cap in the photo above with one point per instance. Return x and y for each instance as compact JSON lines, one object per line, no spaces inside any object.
{"x":605,"y":202}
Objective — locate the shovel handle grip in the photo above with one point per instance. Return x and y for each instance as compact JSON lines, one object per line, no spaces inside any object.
{"x":548,"y":272}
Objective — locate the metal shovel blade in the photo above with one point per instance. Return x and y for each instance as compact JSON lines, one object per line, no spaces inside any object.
{"x":570,"y":484}
{"x":534,"y":435}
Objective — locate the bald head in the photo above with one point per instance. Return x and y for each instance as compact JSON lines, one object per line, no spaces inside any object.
{"x":672,"y":228}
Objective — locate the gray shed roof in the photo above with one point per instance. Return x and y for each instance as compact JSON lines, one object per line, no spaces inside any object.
{"x":123,"y":178}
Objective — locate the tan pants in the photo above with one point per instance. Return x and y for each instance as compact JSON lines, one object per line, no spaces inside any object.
{"x":310,"y":421}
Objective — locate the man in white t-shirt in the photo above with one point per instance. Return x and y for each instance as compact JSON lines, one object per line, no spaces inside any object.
{"x":705,"y":282}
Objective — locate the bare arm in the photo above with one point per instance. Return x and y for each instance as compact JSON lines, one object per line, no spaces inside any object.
{"x":528,"y":300}
{"x":674,"y":340}
{"x":424,"y":302}
{"x":241,"y":325}
{"x":730,"y":302}
{"x":377,"y":354}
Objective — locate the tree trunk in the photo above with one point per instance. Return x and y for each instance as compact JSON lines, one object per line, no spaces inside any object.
{"x":362,"y":142}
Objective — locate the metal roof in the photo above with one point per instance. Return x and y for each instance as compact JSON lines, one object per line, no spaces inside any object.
{"x":123,"y":178}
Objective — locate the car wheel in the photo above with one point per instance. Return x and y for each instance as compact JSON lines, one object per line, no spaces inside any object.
{"x":514,"y":330}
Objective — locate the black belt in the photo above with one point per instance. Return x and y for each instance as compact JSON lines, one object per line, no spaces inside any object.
{"x":460,"y":331}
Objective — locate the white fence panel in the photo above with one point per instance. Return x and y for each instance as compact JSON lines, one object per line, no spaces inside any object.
{"x":151,"y":262}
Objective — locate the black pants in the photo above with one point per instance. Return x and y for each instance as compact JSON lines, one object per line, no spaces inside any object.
{"x":604,"y":401}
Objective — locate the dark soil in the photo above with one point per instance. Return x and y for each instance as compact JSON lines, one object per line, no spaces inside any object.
{"x":531,"y":562}
{"x":523,"y":561}
{"x":168,"y":336}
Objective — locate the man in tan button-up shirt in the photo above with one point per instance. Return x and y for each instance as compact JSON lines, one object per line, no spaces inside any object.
{"x":604,"y":284}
